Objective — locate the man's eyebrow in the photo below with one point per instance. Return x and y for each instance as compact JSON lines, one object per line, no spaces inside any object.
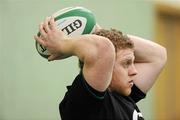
{"x":126,"y":59}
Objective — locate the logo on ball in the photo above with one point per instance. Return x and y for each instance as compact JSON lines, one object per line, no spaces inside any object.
{"x":72,"y":26}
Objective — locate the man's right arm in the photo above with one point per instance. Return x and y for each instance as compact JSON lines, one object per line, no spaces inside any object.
{"x":96,"y":52}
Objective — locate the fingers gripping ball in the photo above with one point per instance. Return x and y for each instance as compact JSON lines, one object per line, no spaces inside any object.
{"x":72,"y":21}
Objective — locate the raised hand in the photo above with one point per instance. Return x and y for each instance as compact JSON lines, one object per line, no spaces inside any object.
{"x":51,"y":38}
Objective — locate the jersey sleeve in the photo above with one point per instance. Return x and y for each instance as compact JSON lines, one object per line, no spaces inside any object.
{"x":91,"y":91}
{"x":80,"y":92}
{"x":137,"y":94}
{"x":80,"y":98}
{"x":81,"y":86}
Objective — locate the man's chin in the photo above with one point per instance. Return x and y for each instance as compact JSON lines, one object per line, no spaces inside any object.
{"x":127,"y":93}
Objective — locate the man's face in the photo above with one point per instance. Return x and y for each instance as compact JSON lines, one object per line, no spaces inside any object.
{"x":124,"y":72}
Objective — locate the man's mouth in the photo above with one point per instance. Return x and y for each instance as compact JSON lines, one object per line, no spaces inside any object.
{"x":131,"y":83}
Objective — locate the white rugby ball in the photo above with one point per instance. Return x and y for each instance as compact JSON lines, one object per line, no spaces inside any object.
{"x":73,"y":21}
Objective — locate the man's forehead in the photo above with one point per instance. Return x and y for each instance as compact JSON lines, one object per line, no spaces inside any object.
{"x":125,"y":54}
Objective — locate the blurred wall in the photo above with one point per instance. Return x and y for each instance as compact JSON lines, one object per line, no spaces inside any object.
{"x":30,"y":87}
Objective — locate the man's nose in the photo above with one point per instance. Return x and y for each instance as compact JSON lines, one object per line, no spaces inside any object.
{"x":132,"y":70}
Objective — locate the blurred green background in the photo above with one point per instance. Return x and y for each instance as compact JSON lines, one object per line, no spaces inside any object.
{"x":31,"y":88}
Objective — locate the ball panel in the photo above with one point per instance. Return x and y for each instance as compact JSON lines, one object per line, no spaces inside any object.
{"x":79,"y":11}
{"x":42,"y":50}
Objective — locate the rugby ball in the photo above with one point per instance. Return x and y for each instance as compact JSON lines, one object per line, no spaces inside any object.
{"x":73,"y":21}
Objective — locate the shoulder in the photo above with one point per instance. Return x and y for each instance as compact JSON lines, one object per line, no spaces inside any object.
{"x":135,"y":96}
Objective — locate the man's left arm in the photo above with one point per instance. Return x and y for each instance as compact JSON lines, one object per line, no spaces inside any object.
{"x":150,"y":58}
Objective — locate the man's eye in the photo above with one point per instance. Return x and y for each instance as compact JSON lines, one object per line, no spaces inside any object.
{"x":127,"y":64}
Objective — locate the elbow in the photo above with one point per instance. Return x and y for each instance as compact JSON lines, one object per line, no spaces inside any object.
{"x":163,"y":55}
{"x":161,"y":58}
{"x":102,"y":48}
{"x":106,"y":49}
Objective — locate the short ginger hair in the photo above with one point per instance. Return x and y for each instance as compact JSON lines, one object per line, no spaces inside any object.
{"x":119,"y":40}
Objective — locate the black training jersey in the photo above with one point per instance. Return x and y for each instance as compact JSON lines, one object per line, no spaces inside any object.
{"x":82,"y":102}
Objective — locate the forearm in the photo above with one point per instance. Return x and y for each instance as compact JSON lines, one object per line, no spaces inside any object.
{"x":60,"y":46}
{"x":147,"y":51}
{"x":150,"y":58}
{"x":85,"y":47}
